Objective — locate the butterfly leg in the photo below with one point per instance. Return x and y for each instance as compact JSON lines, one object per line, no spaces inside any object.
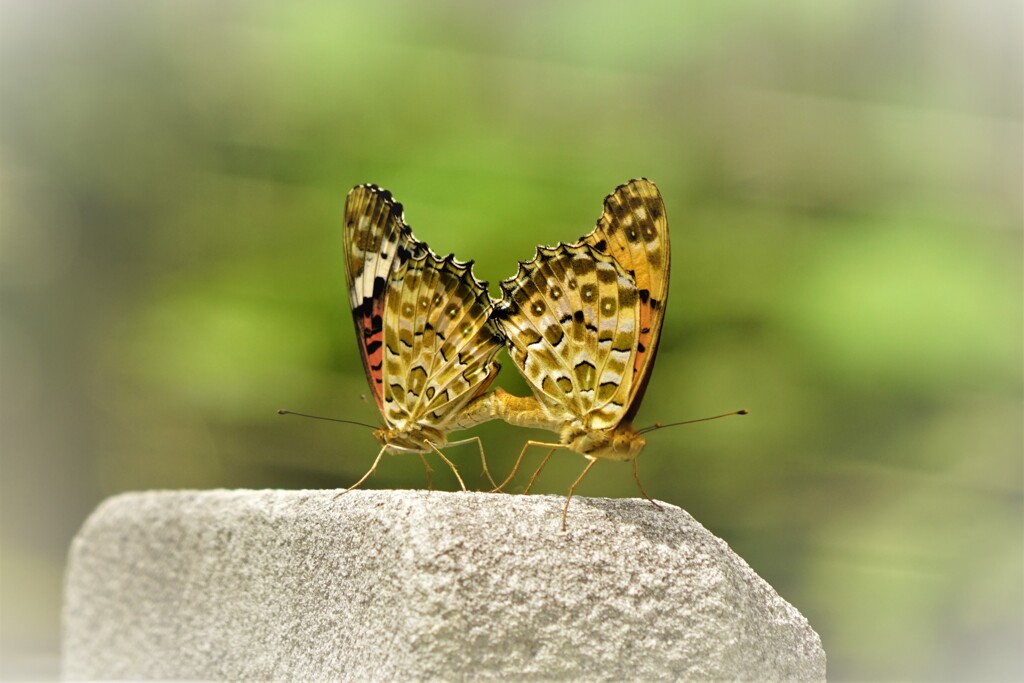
{"x":636,"y":476}
{"x":572,"y":488}
{"x":519,"y":461}
{"x":449,"y":463}
{"x":430,"y":472}
{"x":483,"y":458}
{"x":373,"y":468}
{"x":536,"y":472}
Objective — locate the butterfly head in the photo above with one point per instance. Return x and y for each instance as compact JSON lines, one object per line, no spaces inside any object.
{"x":416,"y":438}
{"x":621,"y":442}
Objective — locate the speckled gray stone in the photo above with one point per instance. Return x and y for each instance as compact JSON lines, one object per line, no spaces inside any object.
{"x":410,"y":585}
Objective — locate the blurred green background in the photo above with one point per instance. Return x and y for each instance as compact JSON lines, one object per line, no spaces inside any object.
{"x":844,"y":185}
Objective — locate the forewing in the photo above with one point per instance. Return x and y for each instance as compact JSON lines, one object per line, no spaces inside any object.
{"x":376,"y":242}
{"x":570,"y":317}
{"x":633,"y":230}
{"x":439,"y":343}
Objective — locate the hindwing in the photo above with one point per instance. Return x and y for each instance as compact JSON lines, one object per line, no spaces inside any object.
{"x":570,"y":316}
{"x":582,"y":321}
{"x":633,"y":230}
{"x":422,"y":322}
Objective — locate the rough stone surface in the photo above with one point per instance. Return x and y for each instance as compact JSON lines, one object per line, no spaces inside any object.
{"x":410,"y":585}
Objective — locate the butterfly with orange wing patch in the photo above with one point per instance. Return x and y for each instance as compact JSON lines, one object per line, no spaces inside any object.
{"x":424,"y":328}
{"x":582,"y":323}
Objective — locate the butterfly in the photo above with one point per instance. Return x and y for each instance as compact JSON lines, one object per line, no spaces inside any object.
{"x":582,"y":323}
{"x":424,"y":329}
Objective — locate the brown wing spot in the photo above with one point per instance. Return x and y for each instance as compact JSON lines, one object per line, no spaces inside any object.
{"x":627,"y":297}
{"x":649,"y":231}
{"x":554,"y":334}
{"x":430,"y":392}
{"x":555,"y":293}
{"x":537,"y":308}
{"x":565,"y":384}
{"x":417,"y":379}
{"x":606,"y":391}
{"x":571,"y":283}
{"x":424,"y":303}
{"x":624,"y":341}
{"x":477,"y":310}
{"x":529,"y":336}
{"x":579,"y":328}
{"x":608,"y":305}
{"x":606,"y":274}
{"x":429,"y":336}
{"x":585,"y":372}
{"x":632,"y":235}
{"x":616,"y":366}
{"x":357,"y":265}
{"x":654,"y":257}
{"x":583,"y":265}
{"x":520,"y":296}
{"x":452,"y":310}
{"x":408,"y":310}
{"x":368,"y":240}
{"x":588,"y":292}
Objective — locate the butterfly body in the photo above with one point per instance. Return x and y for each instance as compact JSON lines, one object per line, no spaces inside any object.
{"x":422,"y":324}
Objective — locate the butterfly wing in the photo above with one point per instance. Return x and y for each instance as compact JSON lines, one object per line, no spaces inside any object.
{"x":633,"y":230}
{"x":570,"y":316}
{"x":422,"y":322}
{"x":376,"y":242}
{"x":439,"y":342}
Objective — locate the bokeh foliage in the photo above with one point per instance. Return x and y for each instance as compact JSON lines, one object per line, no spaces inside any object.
{"x":843,"y":181}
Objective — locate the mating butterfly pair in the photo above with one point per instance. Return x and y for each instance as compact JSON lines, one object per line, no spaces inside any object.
{"x":581,"y":322}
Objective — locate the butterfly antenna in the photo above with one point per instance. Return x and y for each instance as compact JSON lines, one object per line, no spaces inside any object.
{"x":282,"y":411}
{"x":658,"y":425}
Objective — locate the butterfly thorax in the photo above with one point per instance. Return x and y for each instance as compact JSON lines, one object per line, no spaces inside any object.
{"x":621,"y":442}
{"x":417,"y":438}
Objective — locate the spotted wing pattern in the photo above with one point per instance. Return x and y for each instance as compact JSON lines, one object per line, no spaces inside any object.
{"x":582,"y":320}
{"x":422,"y":321}
{"x":570,"y":316}
{"x":633,"y":230}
